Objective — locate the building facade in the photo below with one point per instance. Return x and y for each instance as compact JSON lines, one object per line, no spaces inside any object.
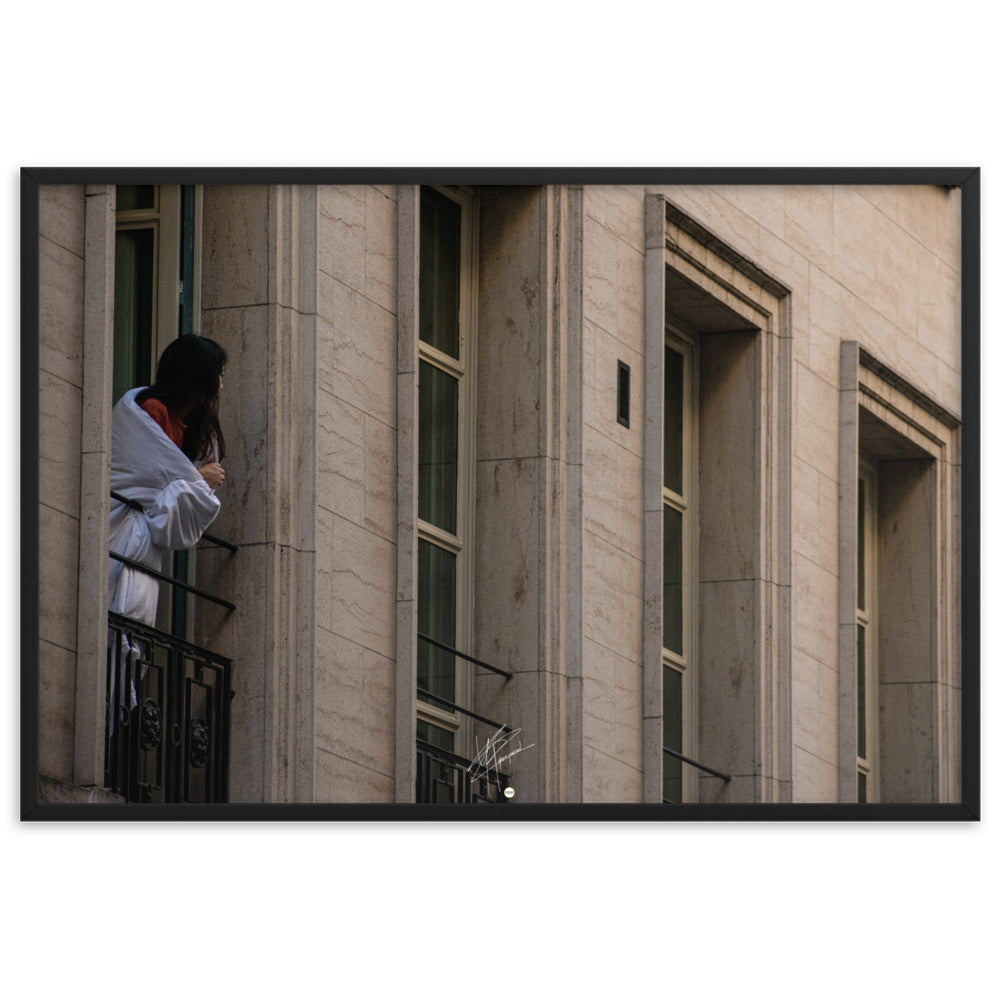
{"x":589,"y":494}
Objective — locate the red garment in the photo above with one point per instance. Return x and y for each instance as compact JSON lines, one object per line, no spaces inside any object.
{"x":172,"y":425}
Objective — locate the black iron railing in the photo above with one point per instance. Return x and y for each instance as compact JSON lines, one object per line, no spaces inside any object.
{"x":167,"y":732}
{"x":168,"y":704}
{"x":694,"y":763}
{"x":446,"y":777}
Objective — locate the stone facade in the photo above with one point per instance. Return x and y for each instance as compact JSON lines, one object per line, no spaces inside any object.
{"x":819,"y":317}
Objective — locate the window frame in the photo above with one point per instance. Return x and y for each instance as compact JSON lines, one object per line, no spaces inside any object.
{"x":461,"y":542}
{"x":867,"y":619}
{"x":685,"y":661}
{"x":165,"y":220}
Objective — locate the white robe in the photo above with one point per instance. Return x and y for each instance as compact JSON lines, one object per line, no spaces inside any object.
{"x":146,"y":466}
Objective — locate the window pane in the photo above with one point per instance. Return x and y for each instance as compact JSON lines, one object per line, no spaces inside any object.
{"x":861,"y":544}
{"x":673,"y":421}
{"x":672,"y":570}
{"x":436,"y":593}
{"x":133,"y":309}
{"x":438,"y":486}
{"x":862,"y":696}
{"x":440,"y":270}
{"x":862,"y":787}
{"x":673,"y":734}
{"x":435,"y":735}
{"x":129,"y":197}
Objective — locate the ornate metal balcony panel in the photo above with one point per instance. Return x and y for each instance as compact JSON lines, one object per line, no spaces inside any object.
{"x":167,"y":732}
{"x":445,"y":778}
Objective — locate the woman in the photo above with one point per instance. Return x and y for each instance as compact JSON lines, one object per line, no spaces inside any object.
{"x":166,"y":449}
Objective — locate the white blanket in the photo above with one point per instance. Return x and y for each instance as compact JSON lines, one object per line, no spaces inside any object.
{"x":146,"y":466}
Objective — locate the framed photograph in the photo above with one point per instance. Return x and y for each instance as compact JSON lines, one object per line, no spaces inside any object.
{"x":515,"y":494}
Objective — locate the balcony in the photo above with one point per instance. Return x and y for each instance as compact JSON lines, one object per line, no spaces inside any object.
{"x":167,"y":732}
{"x":445,"y":777}
{"x":168,"y":707}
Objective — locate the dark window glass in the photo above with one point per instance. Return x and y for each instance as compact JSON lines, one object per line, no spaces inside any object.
{"x":435,"y":735}
{"x":129,"y":197}
{"x":440,"y":270}
{"x":673,"y":421}
{"x":673,"y":734}
{"x":437,"y":494}
{"x":861,"y":544}
{"x":436,"y":594}
{"x":672,"y":577}
{"x":862,"y":787}
{"x":624,"y":379}
{"x":862,"y":696}
{"x":133,"y":324}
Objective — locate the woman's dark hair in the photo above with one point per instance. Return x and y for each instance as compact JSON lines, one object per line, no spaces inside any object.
{"x":188,"y":374}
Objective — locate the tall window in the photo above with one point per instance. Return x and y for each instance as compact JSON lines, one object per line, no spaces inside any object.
{"x":157,"y":296}
{"x":867,"y":676}
{"x":680,"y":465}
{"x":445,"y":463}
{"x":156,"y":270}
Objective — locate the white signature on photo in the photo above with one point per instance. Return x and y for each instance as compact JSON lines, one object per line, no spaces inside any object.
{"x":490,"y":757}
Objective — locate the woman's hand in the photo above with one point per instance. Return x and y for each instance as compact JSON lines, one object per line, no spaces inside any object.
{"x":213,"y":474}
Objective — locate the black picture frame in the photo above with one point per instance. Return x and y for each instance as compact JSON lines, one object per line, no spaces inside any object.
{"x":968,"y":179}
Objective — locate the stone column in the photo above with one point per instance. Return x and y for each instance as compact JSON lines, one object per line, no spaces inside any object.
{"x":95,"y":484}
{"x":259,"y":302}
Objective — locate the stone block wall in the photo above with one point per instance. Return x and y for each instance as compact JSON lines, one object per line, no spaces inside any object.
{"x":61,"y":280}
{"x":879,"y":265}
{"x":612,"y":495}
{"x":355,"y":495}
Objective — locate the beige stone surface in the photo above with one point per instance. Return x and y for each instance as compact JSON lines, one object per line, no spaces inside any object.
{"x":340,"y":450}
{"x":607,"y":779}
{"x":854,"y":241}
{"x":600,"y":374}
{"x":813,"y":779}
{"x":612,"y":597}
{"x":809,"y":215}
{"x":814,"y":610}
{"x":56,"y":709}
{"x":235,"y":224}
{"x":342,"y":235}
{"x":831,"y":321}
{"x":247,"y":508}
{"x":361,"y":366}
{"x":380,"y":247}
{"x":59,"y":545}
{"x":60,"y":310}
{"x":341,"y":779}
{"x":907,"y":743}
{"x":726,"y":677}
{"x":362,"y":568}
{"x":507,"y":584}
{"x":380,"y":478}
{"x":59,"y":444}
{"x":618,"y":210}
{"x":814,"y":433}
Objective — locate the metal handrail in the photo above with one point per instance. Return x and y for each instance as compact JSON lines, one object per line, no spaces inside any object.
{"x":463,"y":656}
{"x":141,"y":629}
{"x":425,"y":695}
{"x":700,"y":766}
{"x":475,"y":787}
{"x":135,"y":505}
{"x":450,"y":757}
{"x":132,"y":564}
